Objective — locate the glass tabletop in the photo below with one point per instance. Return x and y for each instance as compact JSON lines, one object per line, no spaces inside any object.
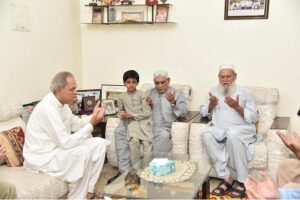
{"x":131,"y":185}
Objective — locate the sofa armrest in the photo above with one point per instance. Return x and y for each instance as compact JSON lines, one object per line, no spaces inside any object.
{"x":277,"y":151}
{"x":180,"y":132}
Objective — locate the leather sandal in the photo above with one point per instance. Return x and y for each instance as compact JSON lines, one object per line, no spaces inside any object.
{"x":238,"y":192}
{"x":221,"y":190}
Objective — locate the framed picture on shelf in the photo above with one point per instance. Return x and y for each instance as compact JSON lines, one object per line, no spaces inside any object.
{"x":97,"y":15}
{"x":88,"y":104}
{"x":87,"y":93}
{"x":112,"y":92}
{"x":162,"y":12}
{"x":129,"y":17}
{"x":246,"y":9}
{"x":109,"y":106}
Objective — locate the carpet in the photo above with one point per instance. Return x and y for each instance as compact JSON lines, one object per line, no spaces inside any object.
{"x":106,"y":173}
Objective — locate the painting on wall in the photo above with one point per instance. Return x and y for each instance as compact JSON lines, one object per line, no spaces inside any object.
{"x":246,"y":9}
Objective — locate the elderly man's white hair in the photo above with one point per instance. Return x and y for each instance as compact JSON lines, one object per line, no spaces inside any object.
{"x":161,"y":73}
{"x":60,"y":80}
{"x":227,"y":66}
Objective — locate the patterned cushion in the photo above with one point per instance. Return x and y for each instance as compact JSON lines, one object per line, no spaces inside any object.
{"x":13,"y":140}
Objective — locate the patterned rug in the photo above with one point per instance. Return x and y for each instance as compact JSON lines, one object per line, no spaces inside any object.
{"x":106,"y":173}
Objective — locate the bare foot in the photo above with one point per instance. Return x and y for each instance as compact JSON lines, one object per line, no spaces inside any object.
{"x":89,"y":195}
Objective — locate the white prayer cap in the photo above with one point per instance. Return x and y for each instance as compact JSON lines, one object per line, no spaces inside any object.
{"x":161,"y":73}
{"x":227,"y":66}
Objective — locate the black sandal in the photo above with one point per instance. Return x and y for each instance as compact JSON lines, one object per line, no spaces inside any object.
{"x":237,"y":192}
{"x":221,"y":190}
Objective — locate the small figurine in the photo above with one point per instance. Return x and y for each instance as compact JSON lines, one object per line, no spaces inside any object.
{"x":94,"y":3}
{"x":163,"y":1}
{"x":151,"y":2}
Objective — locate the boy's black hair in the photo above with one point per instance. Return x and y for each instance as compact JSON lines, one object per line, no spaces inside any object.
{"x":131,"y":74}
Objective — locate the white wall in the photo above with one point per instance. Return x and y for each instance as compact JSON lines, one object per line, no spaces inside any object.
{"x":265,"y":52}
{"x":29,"y":60}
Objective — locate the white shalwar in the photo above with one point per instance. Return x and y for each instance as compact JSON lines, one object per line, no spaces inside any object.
{"x":230,"y":140}
{"x":60,"y":144}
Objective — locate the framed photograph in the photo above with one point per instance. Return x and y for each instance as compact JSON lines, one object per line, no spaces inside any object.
{"x":246,"y":9}
{"x":112,"y":92}
{"x":162,"y":12}
{"x":97,"y":15}
{"x":132,"y":17}
{"x":109,"y":106}
{"x":88,"y":104}
{"x":87,"y":93}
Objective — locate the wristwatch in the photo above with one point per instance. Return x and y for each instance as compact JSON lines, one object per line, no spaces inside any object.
{"x":173,"y":104}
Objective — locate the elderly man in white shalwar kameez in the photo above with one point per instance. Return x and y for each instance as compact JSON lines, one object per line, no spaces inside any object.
{"x":229,"y":141}
{"x":60,"y":144}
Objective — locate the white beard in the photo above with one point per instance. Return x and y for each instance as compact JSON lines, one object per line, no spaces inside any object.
{"x":226,"y":91}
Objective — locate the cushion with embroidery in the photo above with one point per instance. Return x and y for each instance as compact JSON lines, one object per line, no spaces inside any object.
{"x":13,"y":140}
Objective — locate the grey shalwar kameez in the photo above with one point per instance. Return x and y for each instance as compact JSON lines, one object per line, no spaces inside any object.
{"x":230,"y":140}
{"x":139,"y":130}
{"x":163,"y":114}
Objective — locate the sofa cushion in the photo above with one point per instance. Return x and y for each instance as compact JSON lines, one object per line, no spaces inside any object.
{"x":13,"y":140}
{"x":10,"y":108}
{"x":11,"y":123}
{"x":33,"y":185}
{"x":260,"y":157}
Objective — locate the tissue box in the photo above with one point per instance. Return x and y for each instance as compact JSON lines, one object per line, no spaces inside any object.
{"x":162,"y":166}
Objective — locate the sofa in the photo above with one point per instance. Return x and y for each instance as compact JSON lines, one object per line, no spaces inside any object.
{"x":269,"y":149}
{"x":29,"y":185}
{"x":179,"y":129}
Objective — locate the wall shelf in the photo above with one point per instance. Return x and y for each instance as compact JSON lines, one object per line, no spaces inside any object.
{"x":129,"y":14}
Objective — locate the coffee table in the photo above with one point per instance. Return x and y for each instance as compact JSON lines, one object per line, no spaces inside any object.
{"x":188,"y":189}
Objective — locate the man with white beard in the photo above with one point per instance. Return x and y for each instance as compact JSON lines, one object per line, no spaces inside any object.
{"x":229,"y":141}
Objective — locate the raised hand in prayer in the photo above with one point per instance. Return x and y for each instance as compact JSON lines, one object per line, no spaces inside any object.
{"x":264,"y":189}
{"x":97,"y":115}
{"x":150,"y":101}
{"x":213,"y":101}
{"x":170,"y":97}
{"x":234,"y":103}
{"x":293,"y":143}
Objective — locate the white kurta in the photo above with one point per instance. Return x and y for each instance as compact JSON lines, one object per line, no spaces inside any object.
{"x":60,"y":144}
{"x":228,"y":124}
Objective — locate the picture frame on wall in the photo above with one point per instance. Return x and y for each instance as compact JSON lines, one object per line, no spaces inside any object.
{"x":112,"y":92}
{"x":246,"y":9}
{"x":97,"y":15}
{"x":109,"y":106}
{"x":162,"y":12}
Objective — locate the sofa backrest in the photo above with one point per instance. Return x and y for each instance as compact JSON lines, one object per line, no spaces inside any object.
{"x":266,"y":100}
{"x":185,"y":89}
{"x":10,"y":112}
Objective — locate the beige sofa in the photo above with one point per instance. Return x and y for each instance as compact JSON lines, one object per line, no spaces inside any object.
{"x":179,"y":130}
{"x":28,"y":185}
{"x":269,"y":150}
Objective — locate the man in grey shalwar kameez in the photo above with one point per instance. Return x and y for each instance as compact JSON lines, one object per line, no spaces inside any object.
{"x":229,"y":141}
{"x":167,"y":104}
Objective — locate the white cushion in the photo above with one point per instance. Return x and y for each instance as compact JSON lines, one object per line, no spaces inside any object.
{"x":10,"y":108}
{"x":33,"y":185}
{"x":111,"y":152}
{"x":11,"y":123}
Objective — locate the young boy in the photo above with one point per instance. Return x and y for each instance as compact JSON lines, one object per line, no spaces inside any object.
{"x":136,"y":112}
